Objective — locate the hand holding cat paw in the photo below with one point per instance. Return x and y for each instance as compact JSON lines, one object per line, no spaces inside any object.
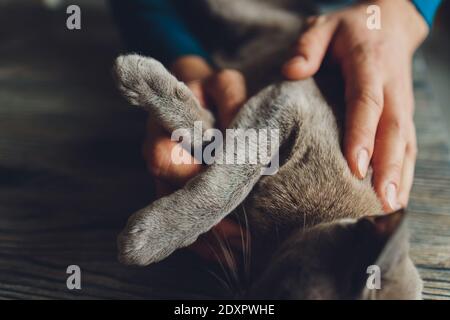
{"x":224,"y":91}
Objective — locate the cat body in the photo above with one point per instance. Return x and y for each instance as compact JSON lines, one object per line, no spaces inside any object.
{"x":327,"y":222}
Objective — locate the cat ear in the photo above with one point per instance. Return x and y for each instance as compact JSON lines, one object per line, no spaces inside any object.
{"x":397,"y":246}
{"x":388,"y":235}
{"x":387,"y":225}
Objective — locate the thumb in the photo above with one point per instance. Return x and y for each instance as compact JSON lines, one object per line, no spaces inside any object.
{"x":310,"y":48}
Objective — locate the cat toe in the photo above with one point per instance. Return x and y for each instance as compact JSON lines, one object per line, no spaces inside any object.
{"x":145,"y":240}
{"x":135,"y":249}
{"x":143,"y":76}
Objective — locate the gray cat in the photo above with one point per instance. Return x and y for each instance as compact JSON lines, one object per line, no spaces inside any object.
{"x":327,"y":222}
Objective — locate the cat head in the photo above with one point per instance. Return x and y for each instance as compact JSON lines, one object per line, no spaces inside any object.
{"x":348,"y":259}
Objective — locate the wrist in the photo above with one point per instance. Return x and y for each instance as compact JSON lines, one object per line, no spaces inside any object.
{"x":417,"y":23}
{"x":427,"y":9}
{"x":406,"y":21}
{"x":191,"y":68}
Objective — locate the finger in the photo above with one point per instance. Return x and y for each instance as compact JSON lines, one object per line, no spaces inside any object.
{"x":407,"y":174}
{"x":197,"y":89}
{"x":411,"y":145}
{"x":390,"y":148}
{"x":364,"y":99}
{"x":387,"y":165}
{"x":162,"y":188}
{"x":167,"y":160}
{"x":310,"y":49}
{"x":227,"y":90}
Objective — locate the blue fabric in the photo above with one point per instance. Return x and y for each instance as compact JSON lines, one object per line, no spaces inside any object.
{"x":427,"y":9}
{"x":154,"y":28}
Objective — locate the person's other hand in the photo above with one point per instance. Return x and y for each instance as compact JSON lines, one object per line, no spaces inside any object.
{"x":376,"y":66}
{"x":224,"y":91}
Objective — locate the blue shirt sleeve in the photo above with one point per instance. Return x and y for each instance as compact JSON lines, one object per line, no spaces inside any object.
{"x":152,"y":27}
{"x":427,"y":9}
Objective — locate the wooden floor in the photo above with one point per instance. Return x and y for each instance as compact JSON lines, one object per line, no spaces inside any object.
{"x":71,"y":170}
{"x":430,"y":197}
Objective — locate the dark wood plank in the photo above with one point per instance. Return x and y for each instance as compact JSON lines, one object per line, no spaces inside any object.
{"x":430,"y":197}
{"x":71,"y":170}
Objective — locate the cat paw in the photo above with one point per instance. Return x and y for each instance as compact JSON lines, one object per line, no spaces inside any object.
{"x":145,"y":82}
{"x":148,"y":238}
{"x":140,"y":78}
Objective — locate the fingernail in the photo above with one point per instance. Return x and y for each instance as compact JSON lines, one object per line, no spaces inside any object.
{"x":294,"y":63}
{"x":297,"y":61}
{"x":391,"y":196}
{"x":293,"y":68}
{"x":363,"y":162}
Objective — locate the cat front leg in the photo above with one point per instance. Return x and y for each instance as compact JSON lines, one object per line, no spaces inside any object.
{"x":175,"y":221}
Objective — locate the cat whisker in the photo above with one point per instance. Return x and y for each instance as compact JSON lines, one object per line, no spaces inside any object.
{"x":304,"y":220}
{"x":222,"y":281}
{"x":229,"y":258}
{"x":227,"y":279}
{"x":246,"y":245}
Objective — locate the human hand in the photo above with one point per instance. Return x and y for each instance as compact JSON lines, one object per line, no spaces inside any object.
{"x":376,"y":66}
